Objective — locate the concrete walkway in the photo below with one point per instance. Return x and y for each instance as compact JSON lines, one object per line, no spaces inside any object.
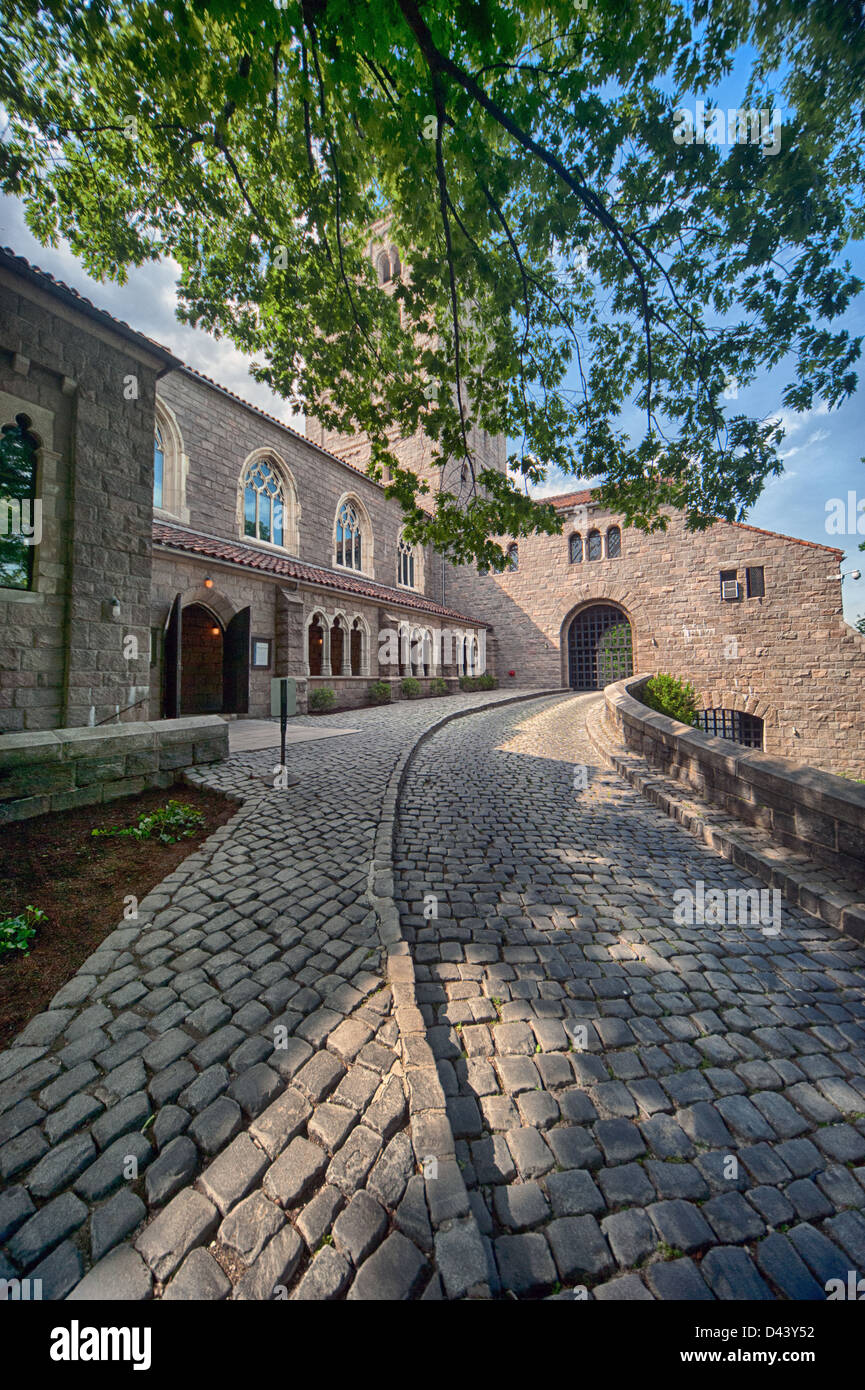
{"x":252,"y":735}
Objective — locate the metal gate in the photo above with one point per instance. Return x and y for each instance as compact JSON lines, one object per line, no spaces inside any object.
{"x":600,"y":648}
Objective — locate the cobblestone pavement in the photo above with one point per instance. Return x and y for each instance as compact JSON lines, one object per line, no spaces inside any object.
{"x":641,"y":1109}
{"x":213,"y":1107}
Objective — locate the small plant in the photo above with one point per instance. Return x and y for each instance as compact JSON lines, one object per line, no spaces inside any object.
{"x":379,"y":693}
{"x":487,"y":681}
{"x":322,"y":699}
{"x":16,"y":933}
{"x":668,"y":695}
{"x":468,"y":682}
{"x":437,"y":686}
{"x":170,"y":823}
{"x":410,"y":687}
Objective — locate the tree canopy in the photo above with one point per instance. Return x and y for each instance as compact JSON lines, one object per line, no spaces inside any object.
{"x":554,"y":225}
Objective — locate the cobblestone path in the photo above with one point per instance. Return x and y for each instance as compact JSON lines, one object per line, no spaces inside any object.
{"x":214,"y":1107}
{"x":641,"y":1109}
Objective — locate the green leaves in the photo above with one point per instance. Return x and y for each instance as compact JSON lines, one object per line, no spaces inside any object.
{"x":563,"y":259}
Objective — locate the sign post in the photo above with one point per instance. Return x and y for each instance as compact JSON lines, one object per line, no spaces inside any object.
{"x":283,"y":702}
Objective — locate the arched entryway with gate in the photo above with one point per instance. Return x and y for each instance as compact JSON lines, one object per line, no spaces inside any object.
{"x":600,"y":647}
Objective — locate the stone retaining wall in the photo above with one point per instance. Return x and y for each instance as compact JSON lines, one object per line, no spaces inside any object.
{"x":799,"y":807}
{"x":64,"y":768}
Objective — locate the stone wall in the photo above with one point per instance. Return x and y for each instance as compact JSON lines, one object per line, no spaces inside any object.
{"x":89,"y":391}
{"x":799,"y":807}
{"x":788,"y":657}
{"x":219,"y":433}
{"x":41,"y":772}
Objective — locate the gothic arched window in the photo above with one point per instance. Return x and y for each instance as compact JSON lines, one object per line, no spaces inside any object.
{"x":383,"y":267}
{"x":405,"y":563}
{"x":513,"y":557}
{"x":575,"y":549}
{"x":395,"y":266}
{"x":158,"y":467}
{"x":614,"y":543}
{"x":20,"y":512}
{"x":594,"y":547}
{"x":349,"y":539}
{"x":315,"y":646}
{"x":263,"y":503}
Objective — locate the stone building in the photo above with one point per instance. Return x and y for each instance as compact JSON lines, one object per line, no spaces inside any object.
{"x":77,"y":402}
{"x":192,"y":548}
{"x":751,"y":618}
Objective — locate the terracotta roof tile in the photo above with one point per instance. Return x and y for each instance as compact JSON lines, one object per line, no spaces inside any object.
{"x":286,"y":567}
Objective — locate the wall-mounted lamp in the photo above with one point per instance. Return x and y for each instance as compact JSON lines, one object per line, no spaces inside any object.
{"x":115,"y":607}
{"x":208,"y":583}
{"x":854,"y":574}
{"x":215,"y":631}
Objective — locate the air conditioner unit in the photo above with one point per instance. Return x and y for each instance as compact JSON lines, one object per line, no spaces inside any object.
{"x":730,"y":590}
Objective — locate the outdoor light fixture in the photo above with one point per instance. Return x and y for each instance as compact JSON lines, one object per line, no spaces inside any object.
{"x":115,"y":607}
{"x":215,"y":631}
{"x":208,"y":583}
{"x":854,"y":574}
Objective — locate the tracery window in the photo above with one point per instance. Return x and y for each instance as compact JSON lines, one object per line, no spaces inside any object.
{"x":20,"y":517}
{"x":349,"y":539}
{"x":405,"y":563}
{"x":263,"y":503}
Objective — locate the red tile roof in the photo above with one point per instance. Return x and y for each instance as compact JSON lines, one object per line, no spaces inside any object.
{"x":286,"y":567}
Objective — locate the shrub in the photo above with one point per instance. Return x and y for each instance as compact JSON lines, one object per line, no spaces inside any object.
{"x":16,"y":933}
{"x":437,"y":686}
{"x":468,"y":682}
{"x":487,"y":682}
{"x":379,"y":693}
{"x":410,"y":688}
{"x":321,"y":699}
{"x":170,"y":823}
{"x":668,"y":695}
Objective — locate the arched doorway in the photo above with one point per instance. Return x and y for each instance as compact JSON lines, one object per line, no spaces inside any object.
{"x":201,"y":663}
{"x":205,"y":656}
{"x":600,"y":647}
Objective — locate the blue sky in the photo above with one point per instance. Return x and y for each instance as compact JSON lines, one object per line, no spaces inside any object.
{"x":821,"y":451}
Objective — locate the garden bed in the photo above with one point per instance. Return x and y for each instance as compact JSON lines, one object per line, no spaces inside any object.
{"x":80,"y":882}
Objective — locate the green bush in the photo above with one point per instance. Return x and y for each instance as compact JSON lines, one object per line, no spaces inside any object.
{"x":668,"y":695}
{"x":468,"y":682}
{"x":325,"y":698}
{"x":410,"y":687}
{"x":16,"y":933}
{"x":487,"y":682}
{"x":437,"y":686}
{"x":170,"y":823}
{"x":379,"y":692}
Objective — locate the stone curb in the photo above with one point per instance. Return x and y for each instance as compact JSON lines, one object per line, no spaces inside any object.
{"x":798,"y":880}
{"x":460,"y":1254}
